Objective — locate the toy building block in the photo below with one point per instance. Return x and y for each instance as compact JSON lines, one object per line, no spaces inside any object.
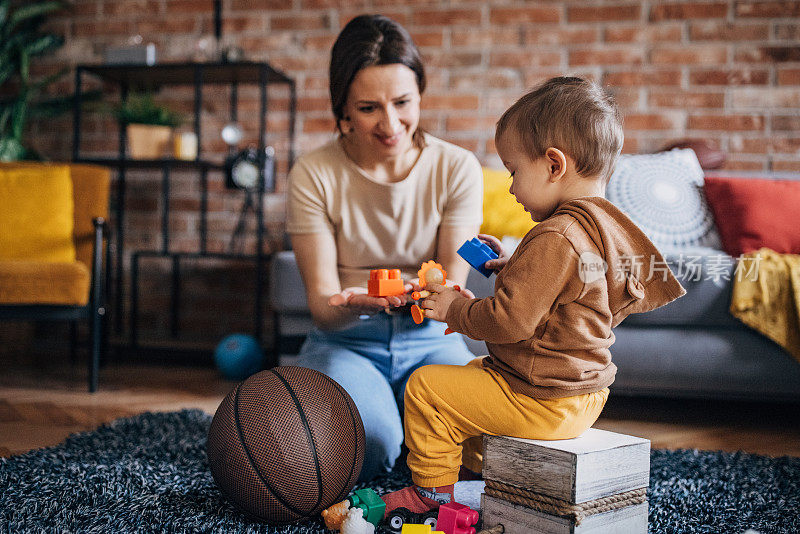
{"x":455,"y":518}
{"x":385,"y":283}
{"x":477,"y":253}
{"x":599,"y":480}
{"x":409,"y":528}
{"x":335,"y":514}
{"x":370,"y":503}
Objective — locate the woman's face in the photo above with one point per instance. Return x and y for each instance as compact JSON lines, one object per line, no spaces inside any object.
{"x":382,"y":110}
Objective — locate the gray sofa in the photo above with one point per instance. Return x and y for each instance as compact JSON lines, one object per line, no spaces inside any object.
{"x":693,"y":347}
{"x":690,"y":348}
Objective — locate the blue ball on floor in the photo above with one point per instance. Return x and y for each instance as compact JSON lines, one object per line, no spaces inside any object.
{"x":238,"y":356}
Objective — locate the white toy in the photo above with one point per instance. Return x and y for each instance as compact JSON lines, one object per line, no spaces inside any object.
{"x":355,"y":523}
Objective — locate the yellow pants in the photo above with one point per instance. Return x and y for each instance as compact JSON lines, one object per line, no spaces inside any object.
{"x":449,"y":407}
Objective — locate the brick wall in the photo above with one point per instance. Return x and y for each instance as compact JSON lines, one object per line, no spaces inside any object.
{"x":727,"y":70}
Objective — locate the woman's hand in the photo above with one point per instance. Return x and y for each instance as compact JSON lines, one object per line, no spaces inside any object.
{"x":357,"y":300}
{"x":438,"y":302}
{"x":497,"y":246}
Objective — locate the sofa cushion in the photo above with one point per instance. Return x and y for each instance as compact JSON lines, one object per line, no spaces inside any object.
{"x":502,"y":214}
{"x":662,"y":194}
{"x":90,"y":185}
{"x":287,"y":294}
{"x":35,"y":282}
{"x":755,"y":213}
{"x":702,"y":362}
{"x":706,"y":274}
{"x":36,"y":214}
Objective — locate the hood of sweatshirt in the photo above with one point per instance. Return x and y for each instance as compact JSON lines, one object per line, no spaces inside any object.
{"x":638,"y":277}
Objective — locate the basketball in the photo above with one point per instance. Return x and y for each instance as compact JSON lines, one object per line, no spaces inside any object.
{"x":238,"y":356}
{"x":285,"y":444}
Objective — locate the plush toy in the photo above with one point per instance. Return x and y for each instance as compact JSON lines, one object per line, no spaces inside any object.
{"x":355,"y":523}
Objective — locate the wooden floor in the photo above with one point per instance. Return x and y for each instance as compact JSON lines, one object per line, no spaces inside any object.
{"x":42,"y":402}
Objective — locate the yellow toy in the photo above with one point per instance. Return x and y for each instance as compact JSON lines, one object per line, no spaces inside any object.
{"x":419,"y":529}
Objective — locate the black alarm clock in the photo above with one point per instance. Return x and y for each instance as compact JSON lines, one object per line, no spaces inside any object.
{"x":242,"y":170}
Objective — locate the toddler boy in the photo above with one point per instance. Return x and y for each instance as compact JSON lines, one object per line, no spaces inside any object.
{"x":548,"y":327}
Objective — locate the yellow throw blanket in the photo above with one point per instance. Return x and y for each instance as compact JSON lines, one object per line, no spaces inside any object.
{"x":766,"y":296}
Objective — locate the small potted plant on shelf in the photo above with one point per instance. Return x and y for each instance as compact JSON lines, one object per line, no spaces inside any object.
{"x":148,"y":125}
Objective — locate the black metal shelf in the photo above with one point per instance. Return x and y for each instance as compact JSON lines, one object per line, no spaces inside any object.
{"x":176,"y":259}
{"x":144,"y":77}
{"x":154,"y":163}
{"x":156,"y":76}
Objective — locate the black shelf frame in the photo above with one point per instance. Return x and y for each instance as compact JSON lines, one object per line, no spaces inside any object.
{"x":152,"y":77}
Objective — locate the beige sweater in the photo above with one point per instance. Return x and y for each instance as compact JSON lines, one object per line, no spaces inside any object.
{"x":384,"y":225}
{"x":572,"y":278}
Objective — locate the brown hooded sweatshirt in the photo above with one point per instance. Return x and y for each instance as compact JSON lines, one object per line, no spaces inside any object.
{"x":573,"y":277}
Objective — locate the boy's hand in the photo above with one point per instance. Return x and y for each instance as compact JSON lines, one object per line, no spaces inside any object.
{"x":437,"y":304}
{"x":497,"y":246}
{"x":359,"y":302}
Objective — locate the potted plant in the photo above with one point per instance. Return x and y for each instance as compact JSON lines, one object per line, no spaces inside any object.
{"x":20,"y":41}
{"x":148,"y":125}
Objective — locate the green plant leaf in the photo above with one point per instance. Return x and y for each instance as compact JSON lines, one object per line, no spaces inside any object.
{"x":21,"y":40}
{"x":142,"y":109}
{"x":4,"y":11}
{"x":5,"y":116}
{"x":7,"y":69}
{"x":11,"y":149}
{"x":24,"y":67}
{"x":18,"y":117}
{"x":43,"y":44}
{"x":34,"y":10}
{"x":40,"y":84}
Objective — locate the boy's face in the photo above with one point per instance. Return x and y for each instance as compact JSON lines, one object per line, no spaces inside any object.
{"x":531,"y":182}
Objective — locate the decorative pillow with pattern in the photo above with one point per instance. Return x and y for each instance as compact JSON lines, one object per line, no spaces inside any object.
{"x":663,"y":194}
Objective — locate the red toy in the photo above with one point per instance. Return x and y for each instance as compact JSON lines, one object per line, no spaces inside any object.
{"x":385,"y":283}
{"x":455,"y":518}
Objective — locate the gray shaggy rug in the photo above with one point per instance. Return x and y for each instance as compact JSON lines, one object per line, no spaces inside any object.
{"x":149,"y":473}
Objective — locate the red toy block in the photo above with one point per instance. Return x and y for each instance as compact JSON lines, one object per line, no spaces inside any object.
{"x":385,"y":283}
{"x":455,"y":518}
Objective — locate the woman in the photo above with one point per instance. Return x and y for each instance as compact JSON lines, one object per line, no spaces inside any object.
{"x":383,"y":194}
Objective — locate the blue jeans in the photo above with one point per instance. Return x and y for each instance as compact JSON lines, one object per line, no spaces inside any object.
{"x":372,"y":362}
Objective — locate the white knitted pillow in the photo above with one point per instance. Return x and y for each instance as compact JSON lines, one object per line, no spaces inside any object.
{"x":663,"y":194}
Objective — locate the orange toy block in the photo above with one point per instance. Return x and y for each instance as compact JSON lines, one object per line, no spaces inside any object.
{"x":385,"y":283}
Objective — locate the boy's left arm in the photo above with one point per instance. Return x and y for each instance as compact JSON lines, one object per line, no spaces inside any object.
{"x":542,"y":277}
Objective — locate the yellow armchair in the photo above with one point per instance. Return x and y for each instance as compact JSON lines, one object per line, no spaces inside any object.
{"x":52,"y":231}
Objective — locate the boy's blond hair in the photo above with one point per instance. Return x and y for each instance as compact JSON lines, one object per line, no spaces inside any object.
{"x":572,"y":114}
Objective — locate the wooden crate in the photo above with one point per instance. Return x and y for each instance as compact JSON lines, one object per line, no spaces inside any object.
{"x":518,"y":519}
{"x":596,"y":464}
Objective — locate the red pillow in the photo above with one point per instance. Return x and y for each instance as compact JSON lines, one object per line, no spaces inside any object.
{"x":755,"y":213}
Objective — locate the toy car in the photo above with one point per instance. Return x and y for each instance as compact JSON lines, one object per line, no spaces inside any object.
{"x":400,"y":516}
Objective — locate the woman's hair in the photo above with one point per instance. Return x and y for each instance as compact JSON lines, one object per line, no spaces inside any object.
{"x":572,"y":114}
{"x":365,"y":41}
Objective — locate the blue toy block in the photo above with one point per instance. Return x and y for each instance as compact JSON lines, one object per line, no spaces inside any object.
{"x":477,"y":253}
